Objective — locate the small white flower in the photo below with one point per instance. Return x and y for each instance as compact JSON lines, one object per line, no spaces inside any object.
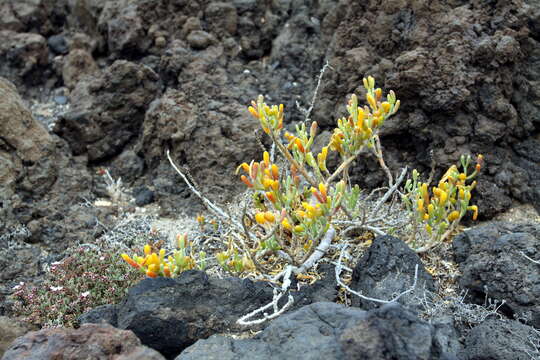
{"x":85,"y":294}
{"x":56,"y":263}
{"x":17,"y":287}
{"x":102,"y":258}
{"x":56,"y":288}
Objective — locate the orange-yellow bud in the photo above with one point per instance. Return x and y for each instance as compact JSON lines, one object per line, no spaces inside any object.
{"x":286,"y":225}
{"x":322,"y":190}
{"x":151,"y":274}
{"x":474,"y":208}
{"x":453,"y":215}
{"x":270,"y":217}
{"x":246,"y":181}
{"x":260,"y":218}
{"x":420,"y":205}
{"x":270,"y":196}
{"x":426,"y":217}
{"x":267,"y":183}
{"x":462,"y":176}
{"x":129,"y":261}
{"x":299,"y":228}
{"x":275,"y":171}
{"x":371,"y":101}
{"x":275,"y":185}
{"x":378,"y":93}
{"x":298,"y":144}
{"x":443,"y":197}
{"x":386,"y":106}
{"x":253,"y":112}
{"x":266,"y":158}
{"x":147,"y":249}
{"x":166,"y":271}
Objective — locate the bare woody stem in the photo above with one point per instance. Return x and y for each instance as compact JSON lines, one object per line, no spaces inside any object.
{"x":378,"y":153}
{"x":341,"y":167}
{"x":290,"y":158}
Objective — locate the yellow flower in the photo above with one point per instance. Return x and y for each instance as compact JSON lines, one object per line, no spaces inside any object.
{"x":147,"y":249}
{"x":260,"y":218}
{"x":270,"y":217}
{"x":453,"y":215}
{"x":286,"y":225}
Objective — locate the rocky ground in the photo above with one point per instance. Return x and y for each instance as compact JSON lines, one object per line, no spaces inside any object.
{"x":114,"y":84}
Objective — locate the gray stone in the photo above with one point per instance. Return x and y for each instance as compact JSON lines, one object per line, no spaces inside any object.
{"x":386,"y":270}
{"x":90,"y":341}
{"x":330,"y":331}
{"x":501,"y":340}
{"x":492,"y":264}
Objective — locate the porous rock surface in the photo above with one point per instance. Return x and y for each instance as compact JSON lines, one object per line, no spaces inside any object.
{"x":466,"y":73}
{"x":108,"y":110}
{"x":490,"y":258}
{"x":41,"y":189}
{"x":386,"y":270}
{"x":90,"y":341}
{"x":331,"y":331}
{"x":170,"y":314}
{"x":501,"y":340}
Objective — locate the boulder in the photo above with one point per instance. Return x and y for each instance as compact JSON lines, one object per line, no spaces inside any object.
{"x":330,"y":331}
{"x":77,"y":64}
{"x":386,"y":270}
{"x":502,"y":340}
{"x":493,"y":265}
{"x":168,"y":314}
{"x":10,"y":329}
{"x":89,"y":341}
{"x":107,"y":110}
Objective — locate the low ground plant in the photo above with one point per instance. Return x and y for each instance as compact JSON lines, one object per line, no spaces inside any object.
{"x":87,"y":277}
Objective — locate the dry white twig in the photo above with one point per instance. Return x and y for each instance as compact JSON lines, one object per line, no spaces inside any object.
{"x":274,"y":304}
{"x":115,"y":189}
{"x":307,"y":112}
{"x":214,"y":208}
{"x":537,"y":262}
{"x":389,"y":192}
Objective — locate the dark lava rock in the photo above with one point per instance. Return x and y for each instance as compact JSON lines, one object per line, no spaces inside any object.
{"x":199,"y":39}
{"x":58,"y":44}
{"x":323,"y":290}
{"x":90,"y":341}
{"x":492,"y":264}
{"x":330,"y":331}
{"x":143,"y":196}
{"x":107,"y":111}
{"x":128,"y":166}
{"x":501,"y":340}
{"x":23,"y":56}
{"x":386,"y":270}
{"x":102,"y":314}
{"x":77,"y":64}
{"x":170,"y":314}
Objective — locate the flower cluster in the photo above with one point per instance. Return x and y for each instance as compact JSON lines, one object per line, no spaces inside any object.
{"x":294,"y":208}
{"x":155,"y":263}
{"x":442,"y":209}
{"x":357,"y":130}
